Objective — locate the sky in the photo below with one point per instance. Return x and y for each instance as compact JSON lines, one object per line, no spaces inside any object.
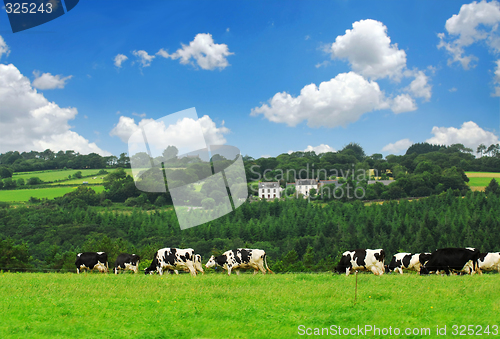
{"x":268,"y":77}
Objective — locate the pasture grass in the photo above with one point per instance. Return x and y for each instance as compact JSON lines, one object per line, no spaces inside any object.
{"x":40,"y":193}
{"x":481,"y":181}
{"x":38,"y":305}
{"x":53,"y":175}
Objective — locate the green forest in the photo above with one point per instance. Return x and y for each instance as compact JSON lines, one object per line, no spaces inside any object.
{"x":298,"y":236}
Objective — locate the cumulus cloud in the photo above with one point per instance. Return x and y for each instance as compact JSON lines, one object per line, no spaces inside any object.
{"x":180,"y":134}
{"x":28,"y":121}
{"x":323,"y":148}
{"x":338,"y":102}
{"x":369,"y":51}
{"x":474,"y":22}
{"x":397,"y":147}
{"x":420,"y":87}
{"x":469,"y":134}
{"x":497,"y":79}
{"x":119,"y":59}
{"x":49,"y":81}
{"x":4,"y":49}
{"x":403,"y":103}
{"x":203,"y":51}
{"x":144,"y":58}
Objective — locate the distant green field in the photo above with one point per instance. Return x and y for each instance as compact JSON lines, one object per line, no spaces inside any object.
{"x":49,"y":193}
{"x":89,"y":180}
{"x":479,"y":180}
{"x":68,"y":305}
{"x":52,"y":175}
{"x":483,"y":182}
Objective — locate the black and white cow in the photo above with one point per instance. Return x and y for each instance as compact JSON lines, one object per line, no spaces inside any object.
{"x":489,"y":262}
{"x":198,"y":266}
{"x":241,"y":258}
{"x":126,"y":262}
{"x":92,"y":260}
{"x":173,"y":259}
{"x":407,"y":261}
{"x":363,"y":260}
{"x":452,"y":260}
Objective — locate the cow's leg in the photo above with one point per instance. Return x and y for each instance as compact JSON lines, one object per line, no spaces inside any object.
{"x":400,"y":270}
{"x":237,"y":272}
{"x":160,"y":271}
{"x":262,"y":269}
{"x":347,"y":271}
{"x":229,"y":270}
{"x":176,"y":272}
{"x":78,"y":271}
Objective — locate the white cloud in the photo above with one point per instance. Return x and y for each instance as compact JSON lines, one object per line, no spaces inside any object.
{"x":403,"y":103}
{"x":142,"y":115}
{"x":368,"y":49}
{"x":419,"y":87}
{"x":119,"y":59}
{"x":497,"y":79}
{"x":322,"y":64}
{"x":28,"y":121}
{"x":397,"y":147}
{"x":207,"y":54}
{"x":181,"y":134}
{"x":4,"y":49}
{"x":144,"y":58}
{"x":453,"y":89}
{"x":474,"y":22}
{"x":469,"y":134}
{"x":49,"y":81}
{"x":323,"y":148}
{"x":338,"y":102}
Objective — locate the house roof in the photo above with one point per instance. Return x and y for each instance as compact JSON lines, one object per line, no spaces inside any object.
{"x":269,"y":184}
{"x":304,"y":182}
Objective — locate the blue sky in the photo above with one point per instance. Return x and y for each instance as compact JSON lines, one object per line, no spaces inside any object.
{"x":391,"y":73}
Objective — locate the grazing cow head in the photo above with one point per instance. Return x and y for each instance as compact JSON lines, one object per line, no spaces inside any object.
{"x":211,"y":262}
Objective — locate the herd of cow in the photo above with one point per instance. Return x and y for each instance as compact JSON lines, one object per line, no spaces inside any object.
{"x":448,"y":260}
{"x":460,"y":260}
{"x":175,"y":259}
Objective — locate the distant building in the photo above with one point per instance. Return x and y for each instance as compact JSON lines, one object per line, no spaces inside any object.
{"x":269,"y":190}
{"x":304,"y":186}
{"x":385,"y":182}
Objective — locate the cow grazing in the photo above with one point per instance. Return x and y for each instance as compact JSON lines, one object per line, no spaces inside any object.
{"x":197,"y":266}
{"x":92,"y":260}
{"x":126,"y":262}
{"x":489,"y":262}
{"x":363,"y":260}
{"x":407,"y":261}
{"x":173,"y":259}
{"x":197,"y":263}
{"x":241,"y":258}
{"x":452,"y":260}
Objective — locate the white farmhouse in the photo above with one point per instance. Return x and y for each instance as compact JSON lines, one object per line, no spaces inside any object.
{"x":269,"y":190}
{"x":304,"y":186}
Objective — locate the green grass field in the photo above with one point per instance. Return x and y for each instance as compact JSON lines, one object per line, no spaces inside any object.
{"x":37,"y":305}
{"x":53,"y":175}
{"x":482,"y":182}
{"x":40,"y":193}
